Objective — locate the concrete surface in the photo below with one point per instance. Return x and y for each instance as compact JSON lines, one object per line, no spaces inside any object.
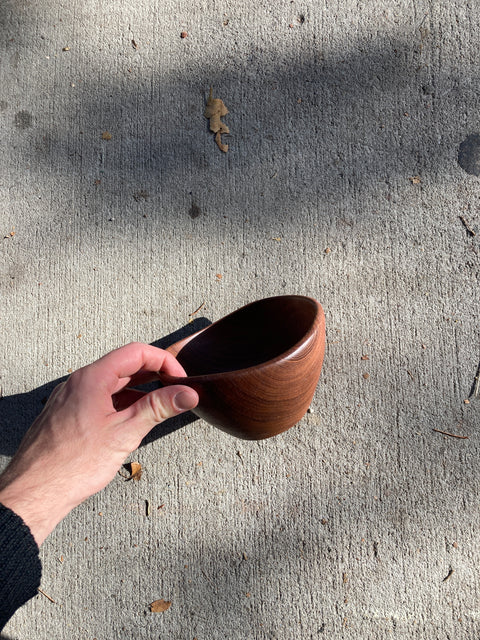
{"x":346,"y":121}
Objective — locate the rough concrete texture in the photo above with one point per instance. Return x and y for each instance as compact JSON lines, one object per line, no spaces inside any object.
{"x":346,"y":121}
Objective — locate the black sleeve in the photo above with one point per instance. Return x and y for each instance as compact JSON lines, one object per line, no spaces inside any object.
{"x":20,"y":566}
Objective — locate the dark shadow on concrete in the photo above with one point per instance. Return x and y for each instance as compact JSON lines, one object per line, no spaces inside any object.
{"x":373,"y":109}
{"x":17,"y":412}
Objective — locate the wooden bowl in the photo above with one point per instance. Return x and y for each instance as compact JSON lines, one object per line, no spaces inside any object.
{"x":256,"y":369}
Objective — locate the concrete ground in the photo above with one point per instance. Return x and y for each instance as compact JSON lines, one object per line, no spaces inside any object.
{"x":121,"y":217}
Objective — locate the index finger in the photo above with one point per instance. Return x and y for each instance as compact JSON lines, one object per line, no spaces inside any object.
{"x":123,"y":363}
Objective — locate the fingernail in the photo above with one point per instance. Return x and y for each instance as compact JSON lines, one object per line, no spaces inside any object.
{"x":185,"y":400}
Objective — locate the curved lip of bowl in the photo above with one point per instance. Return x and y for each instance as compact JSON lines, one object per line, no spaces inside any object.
{"x":258,"y":367}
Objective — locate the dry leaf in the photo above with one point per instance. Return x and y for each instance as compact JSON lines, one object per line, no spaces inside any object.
{"x":214,"y":111}
{"x":415,"y":179}
{"x":160,"y":605}
{"x":221,"y":145}
{"x":135,"y":469}
{"x":106,"y":135}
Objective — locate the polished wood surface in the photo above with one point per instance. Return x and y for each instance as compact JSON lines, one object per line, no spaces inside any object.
{"x":256,"y":369}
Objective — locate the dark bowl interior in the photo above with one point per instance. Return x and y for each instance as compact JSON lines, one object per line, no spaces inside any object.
{"x":254,"y":334}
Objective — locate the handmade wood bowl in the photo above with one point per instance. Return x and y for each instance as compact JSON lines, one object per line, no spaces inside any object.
{"x":256,"y":369}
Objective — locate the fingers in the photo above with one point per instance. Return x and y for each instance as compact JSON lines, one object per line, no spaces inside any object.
{"x":115,"y":370}
{"x":155,"y":407}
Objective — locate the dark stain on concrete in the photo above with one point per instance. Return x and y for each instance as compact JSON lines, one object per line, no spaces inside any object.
{"x":23,"y":120}
{"x":469,"y":154}
{"x":195,"y":211}
{"x":141,"y":195}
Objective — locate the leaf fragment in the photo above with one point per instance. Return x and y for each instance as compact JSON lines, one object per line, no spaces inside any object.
{"x":158,"y":606}
{"x":135,"y":469}
{"x":214,"y":111}
{"x":221,"y":145}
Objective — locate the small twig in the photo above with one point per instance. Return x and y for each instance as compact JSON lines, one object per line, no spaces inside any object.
{"x":422,"y":21}
{"x":449,"y":575}
{"x":46,"y":595}
{"x":476,"y":384}
{"x":452,"y":435}
{"x":411,"y":376}
{"x":197,"y":310}
{"x":467,"y":226}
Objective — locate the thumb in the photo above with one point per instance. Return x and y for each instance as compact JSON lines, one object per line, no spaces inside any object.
{"x":157,"y":406}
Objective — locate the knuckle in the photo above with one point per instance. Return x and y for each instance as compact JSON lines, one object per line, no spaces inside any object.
{"x":56,"y":392}
{"x":157,"y":408}
{"x":135,"y":345}
{"x":75,"y":379}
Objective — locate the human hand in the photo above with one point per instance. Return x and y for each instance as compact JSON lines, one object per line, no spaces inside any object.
{"x":90,"y":424}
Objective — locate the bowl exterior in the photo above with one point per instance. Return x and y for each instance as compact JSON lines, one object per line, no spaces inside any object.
{"x":259,"y":404}
{"x":262,"y":401}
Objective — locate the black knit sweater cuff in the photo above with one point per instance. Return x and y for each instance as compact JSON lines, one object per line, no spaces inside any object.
{"x":20,"y":566}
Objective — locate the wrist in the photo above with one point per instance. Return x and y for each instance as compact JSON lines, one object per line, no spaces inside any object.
{"x":39,"y":510}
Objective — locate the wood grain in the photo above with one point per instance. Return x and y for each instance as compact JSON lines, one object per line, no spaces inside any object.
{"x":256,"y":370}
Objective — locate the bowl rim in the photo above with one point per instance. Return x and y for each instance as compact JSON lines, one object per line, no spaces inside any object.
{"x":318,"y":319}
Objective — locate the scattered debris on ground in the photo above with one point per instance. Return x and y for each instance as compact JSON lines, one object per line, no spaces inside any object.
{"x":467,"y":226}
{"x":158,"y":606}
{"x":451,"y":435}
{"x":476,"y":388}
{"x":46,"y":595}
{"x":134,"y":469}
{"x":449,"y":575}
{"x":214,"y":111}
{"x":190,"y":315}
